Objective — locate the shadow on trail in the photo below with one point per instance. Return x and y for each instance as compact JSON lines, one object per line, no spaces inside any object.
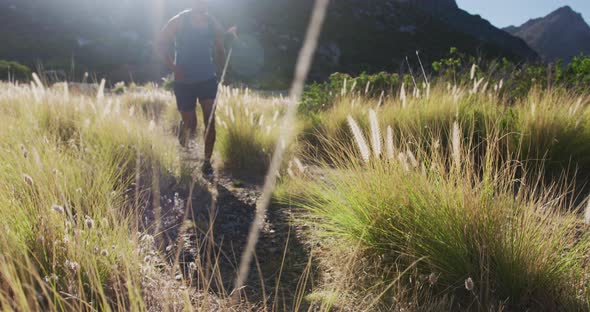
{"x":209,"y":244}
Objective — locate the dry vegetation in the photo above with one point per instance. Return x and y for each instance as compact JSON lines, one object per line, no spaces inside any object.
{"x":447,"y":199}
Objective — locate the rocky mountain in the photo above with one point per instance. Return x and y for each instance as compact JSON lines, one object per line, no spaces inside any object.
{"x":562,"y":34}
{"x":376,"y":35}
{"x":475,"y":26}
{"x":113,"y":37}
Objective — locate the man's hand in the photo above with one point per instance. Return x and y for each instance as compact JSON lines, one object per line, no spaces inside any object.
{"x":233,"y":31}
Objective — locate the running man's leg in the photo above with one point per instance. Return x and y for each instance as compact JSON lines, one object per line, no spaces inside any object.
{"x":186,"y":101}
{"x":189,"y":120}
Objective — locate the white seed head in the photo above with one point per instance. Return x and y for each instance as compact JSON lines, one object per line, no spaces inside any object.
{"x":57,"y":208}
{"x":412,"y":159}
{"x":28,"y":180}
{"x":432,"y":278}
{"x":359,"y":139}
{"x":389,"y":143}
{"x":89,"y":222}
{"x":456,"y":144}
{"x":469,"y":284}
{"x":375,"y":133}
{"x":51,"y":279}
{"x":72,"y":266}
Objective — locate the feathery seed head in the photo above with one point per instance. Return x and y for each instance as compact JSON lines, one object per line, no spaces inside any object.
{"x":57,"y":208}
{"x":375,"y":133}
{"x":299,"y":165}
{"x":89,"y":222}
{"x":432,"y":278}
{"x":25,"y":151}
{"x":359,"y":139}
{"x":403,"y":159}
{"x":456,"y":144}
{"x":72,"y":266}
{"x":51,"y":279}
{"x":28,"y":180}
{"x":469,"y":285}
{"x":412,"y":159}
{"x":389,"y":143}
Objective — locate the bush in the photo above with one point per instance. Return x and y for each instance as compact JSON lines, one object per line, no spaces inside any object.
{"x":577,"y":73}
{"x":69,"y":215}
{"x":467,"y":226}
{"x":248,"y":131}
{"x":320,"y":96}
{"x":518,"y":79}
{"x":14,"y":70}
{"x":551,"y":126}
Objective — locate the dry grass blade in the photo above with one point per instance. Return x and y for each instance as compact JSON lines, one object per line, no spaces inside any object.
{"x":302,"y":69}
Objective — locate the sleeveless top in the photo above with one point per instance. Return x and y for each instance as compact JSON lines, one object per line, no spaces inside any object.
{"x":194,"y":50}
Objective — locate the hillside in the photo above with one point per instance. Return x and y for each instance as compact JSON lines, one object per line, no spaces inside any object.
{"x":113,"y":38}
{"x":562,"y":34}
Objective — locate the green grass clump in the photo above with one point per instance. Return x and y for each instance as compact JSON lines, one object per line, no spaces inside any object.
{"x":550,"y":126}
{"x":248,"y":129}
{"x":451,"y":219}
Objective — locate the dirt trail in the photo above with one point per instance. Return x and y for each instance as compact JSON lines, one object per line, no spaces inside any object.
{"x":214,"y":233}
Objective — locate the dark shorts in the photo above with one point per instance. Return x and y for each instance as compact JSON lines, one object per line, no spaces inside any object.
{"x":187,"y":94}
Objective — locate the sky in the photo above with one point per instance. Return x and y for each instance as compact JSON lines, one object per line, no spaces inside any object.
{"x":504,"y":13}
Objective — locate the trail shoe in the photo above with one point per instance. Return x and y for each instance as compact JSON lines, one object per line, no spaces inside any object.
{"x":182,"y":134}
{"x":207,"y":169}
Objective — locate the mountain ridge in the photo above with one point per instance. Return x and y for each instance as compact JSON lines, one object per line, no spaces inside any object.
{"x":562,"y":34}
{"x":369,"y":35}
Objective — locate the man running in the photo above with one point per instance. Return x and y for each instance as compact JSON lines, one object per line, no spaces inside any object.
{"x":199,"y":56}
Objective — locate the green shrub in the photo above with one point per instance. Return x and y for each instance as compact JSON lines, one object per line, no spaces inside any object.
{"x":457,"y":219}
{"x":577,"y":73}
{"x":14,"y":71}
{"x":69,"y":215}
{"x":248,"y":131}
{"x":321,"y":96}
{"x":550,"y":126}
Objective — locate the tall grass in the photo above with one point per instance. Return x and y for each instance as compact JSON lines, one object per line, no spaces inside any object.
{"x":550,"y":126}
{"x":77,"y":177}
{"x":67,"y":201}
{"x":462,"y":215}
{"x":248,"y":127}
